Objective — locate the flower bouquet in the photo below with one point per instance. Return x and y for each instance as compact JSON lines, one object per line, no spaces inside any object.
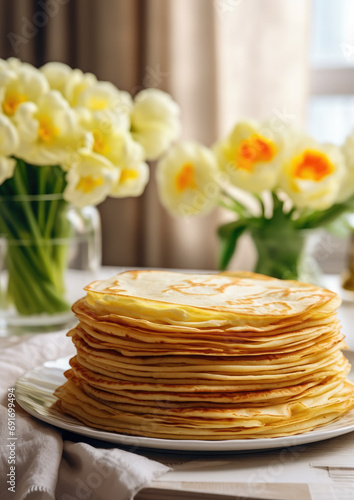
{"x":66,"y":139}
{"x":279,"y":187}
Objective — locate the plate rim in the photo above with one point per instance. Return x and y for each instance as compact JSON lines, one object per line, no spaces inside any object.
{"x":69,"y":423}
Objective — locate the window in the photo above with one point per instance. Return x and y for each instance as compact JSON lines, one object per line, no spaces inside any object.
{"x":331,"y":104}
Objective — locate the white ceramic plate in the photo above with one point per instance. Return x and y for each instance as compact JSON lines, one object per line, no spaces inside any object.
{"x":34,"y":392}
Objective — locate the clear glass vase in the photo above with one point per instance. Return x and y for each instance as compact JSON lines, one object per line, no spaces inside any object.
{"x":287,"y":254}
{"x":49,"y":250}
{"x":348,"y":274}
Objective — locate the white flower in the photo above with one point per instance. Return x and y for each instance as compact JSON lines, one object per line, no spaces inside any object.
{"x":133,"y":180}
{"x":71,"y":83}
{"x":107,"y":135}
{"x":250,"y":156}
{"x":20,"y":84}
{"x":134,"y":172}
{"x":15,"y":64}
{"x":155,"y":121}
{"x":57,"y":74}
{"x":103,"y":96}
{"x":7,"y":167}
{"x":186,"y":179}
{"x":8,"y":144}
{"x":104,"y":100}
{"x":90,"y":180}
{"x":3,"y":64}
{"x":312,"y":173}
{"x":77,"y":82}
{"x":347,"y":188}
{"x":9,"y":139}
{"x":48,"y":130}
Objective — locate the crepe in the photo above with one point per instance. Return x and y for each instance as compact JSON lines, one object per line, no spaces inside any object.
{"x":187,"y":356}
{"x":191,"y":299}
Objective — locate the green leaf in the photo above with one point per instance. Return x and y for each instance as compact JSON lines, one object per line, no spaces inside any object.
{"x":322,"y":218}
{"x":228,"y":246}
{"x":229,"y":235}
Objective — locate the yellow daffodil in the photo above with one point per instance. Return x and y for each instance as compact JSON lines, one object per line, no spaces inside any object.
{"x":48,"y":130}
{"x":186,"y":179}
{"x":57,"y":74}
{"x":7,"y":167}
{"x":103,"y":96}
{"x":107,"y":135}
{"x":90,"y":179}
{"x":250,"y":156}
{"x":9,"y":139}
{"x":134,"y":172}
{"x":70,"y":82}
{"x":347,"y":187}
{"x":20,"y":84}
{"x":13,"y":63}
{"x":3,"y":65}
{"x":312,"y":173}
{"x":76,"y":84}
{"x":155,"y":121}
{"x":8,"y":144}
{"x":133,"y":180}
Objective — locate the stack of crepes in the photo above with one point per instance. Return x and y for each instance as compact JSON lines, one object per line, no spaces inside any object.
{"x":214,"y":357}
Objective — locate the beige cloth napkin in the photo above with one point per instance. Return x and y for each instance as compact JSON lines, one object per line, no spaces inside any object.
{"x":47,"y":468}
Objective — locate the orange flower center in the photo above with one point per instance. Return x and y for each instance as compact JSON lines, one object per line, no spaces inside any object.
{"x":255,"y":149}
{"x":312,"y":166}
{"x":88,"y":183}
{"x":12,"y":102}
{"x":185,"y":178}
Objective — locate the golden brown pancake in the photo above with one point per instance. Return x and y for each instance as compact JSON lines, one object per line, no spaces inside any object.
{"x":187,"y":356}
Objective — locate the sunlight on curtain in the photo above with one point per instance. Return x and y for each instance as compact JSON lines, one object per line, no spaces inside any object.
{"x":226,"y":60}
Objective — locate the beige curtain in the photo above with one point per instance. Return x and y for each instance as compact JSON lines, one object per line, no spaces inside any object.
{"x":222,"y":60}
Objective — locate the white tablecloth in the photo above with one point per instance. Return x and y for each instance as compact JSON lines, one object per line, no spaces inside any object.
{"x":48,"y":467}
{"x":38,"y":461}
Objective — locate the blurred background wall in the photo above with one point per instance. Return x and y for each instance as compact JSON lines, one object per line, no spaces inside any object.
{"x":221,"y":60}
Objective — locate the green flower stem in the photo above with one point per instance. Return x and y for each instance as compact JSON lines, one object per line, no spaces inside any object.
{"x":228,"y":202}
{"x":11,"y":226}
{"x":261,"y":204}
{"x":279,"y":239}
{"x":36,"y":293}
{"x":53,"y":207}
{"x":33,"y":223}
{"x":223,"y":204}
{"x":311,"y":219}
{"x":20,"y":272}
{"x":41,"y":204}
{"x":280,"y":259}
{"x":37,"y":233}
{"x":61,"y":229}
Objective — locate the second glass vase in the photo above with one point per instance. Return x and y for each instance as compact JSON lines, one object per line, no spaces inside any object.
{"x":287,"y":255}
